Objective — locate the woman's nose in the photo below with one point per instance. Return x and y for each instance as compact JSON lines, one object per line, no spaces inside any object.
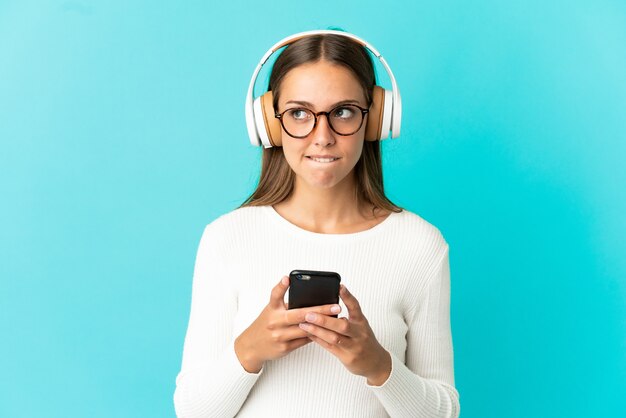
{"x":323,"y":135}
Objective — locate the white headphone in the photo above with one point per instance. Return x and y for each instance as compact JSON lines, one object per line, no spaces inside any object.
{"x":385,"y":112}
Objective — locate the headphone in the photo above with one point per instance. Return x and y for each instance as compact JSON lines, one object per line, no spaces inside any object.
{"x":385,"y":112}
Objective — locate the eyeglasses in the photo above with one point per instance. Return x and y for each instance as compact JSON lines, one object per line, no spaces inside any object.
{"x":344,"y":120}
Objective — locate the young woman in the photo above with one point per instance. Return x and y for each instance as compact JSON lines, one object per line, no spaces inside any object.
{"x":320,"y":205}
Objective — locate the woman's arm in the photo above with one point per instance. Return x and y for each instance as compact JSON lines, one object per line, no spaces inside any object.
{"x":424,"y":386}
{"x":218,"y":370}
{"x":212,"y":382}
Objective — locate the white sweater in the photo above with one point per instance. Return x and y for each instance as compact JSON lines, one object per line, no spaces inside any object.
{"x":398,"y":271}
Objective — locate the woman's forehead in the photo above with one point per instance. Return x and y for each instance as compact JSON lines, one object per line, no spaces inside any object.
{"x":320,"y":85}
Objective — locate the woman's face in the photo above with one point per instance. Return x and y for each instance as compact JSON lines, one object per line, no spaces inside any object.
{"x":322,"y":85}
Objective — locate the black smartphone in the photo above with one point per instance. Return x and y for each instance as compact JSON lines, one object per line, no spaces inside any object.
{"x":313,"y":288}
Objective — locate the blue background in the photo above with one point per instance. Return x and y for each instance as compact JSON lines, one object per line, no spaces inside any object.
{"x":122,"y":134}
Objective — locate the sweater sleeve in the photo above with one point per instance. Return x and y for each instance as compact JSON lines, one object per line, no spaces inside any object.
{"x":211,"y":382}
{"x":424,"y":386}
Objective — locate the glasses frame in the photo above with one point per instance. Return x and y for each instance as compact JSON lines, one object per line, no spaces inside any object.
{"x":364,"y":111}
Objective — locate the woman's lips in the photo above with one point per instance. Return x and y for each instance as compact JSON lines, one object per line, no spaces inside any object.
{"x":322,"y":158}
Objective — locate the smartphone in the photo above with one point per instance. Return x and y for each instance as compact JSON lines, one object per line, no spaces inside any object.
{"x":313,"y":288}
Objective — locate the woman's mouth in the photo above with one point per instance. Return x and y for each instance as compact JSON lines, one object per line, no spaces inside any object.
{"x":322,"y":159}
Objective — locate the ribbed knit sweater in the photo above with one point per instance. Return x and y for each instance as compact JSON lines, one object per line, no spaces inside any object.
{"x":399,"y":272}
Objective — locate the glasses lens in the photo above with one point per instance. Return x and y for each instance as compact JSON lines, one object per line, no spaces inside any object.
{"x":344,"y":119}
{"x":298,"y":122}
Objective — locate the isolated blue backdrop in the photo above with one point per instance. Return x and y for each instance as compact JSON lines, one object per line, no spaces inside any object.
{"x":122,"y":134}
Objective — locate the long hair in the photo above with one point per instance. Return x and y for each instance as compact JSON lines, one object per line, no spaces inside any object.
{"x":277,"y":178}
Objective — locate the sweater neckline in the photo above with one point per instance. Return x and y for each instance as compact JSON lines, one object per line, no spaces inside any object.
{"x":385,"y":224}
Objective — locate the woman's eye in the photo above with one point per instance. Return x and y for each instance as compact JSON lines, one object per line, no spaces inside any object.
{"x":343,"y":113}
{"x":299,"y":114}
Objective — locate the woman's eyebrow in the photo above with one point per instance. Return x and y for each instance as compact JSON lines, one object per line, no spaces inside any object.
{"x":303,"y":103}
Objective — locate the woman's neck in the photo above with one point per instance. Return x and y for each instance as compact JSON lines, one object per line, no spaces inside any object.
{"x":330,"y":211}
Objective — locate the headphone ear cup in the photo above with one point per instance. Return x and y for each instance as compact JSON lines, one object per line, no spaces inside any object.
{"x":385,"y":129}
{"x":268,"y":125}
{"x":375,"y":115}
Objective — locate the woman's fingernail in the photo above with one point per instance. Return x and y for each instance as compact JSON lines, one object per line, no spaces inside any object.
{"x":285,"y":280}
{"x":304,"y":326}
{"x":335,"y":309}
{"x":310,"y":317}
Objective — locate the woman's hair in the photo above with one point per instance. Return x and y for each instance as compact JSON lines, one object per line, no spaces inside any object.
{"x":277,"y":178}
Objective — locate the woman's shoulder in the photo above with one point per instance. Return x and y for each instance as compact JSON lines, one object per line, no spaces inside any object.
{"x":232,"y":228}
{"x":422,"y":243}
{"x":412,"y":226}
{"x":241,"y":218}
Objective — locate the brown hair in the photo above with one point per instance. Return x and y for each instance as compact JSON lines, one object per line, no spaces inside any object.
{"x":277,"y":178}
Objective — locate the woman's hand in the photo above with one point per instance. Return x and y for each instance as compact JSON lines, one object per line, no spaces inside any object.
{"x":275,"y":333}
{"x":351,"y":340}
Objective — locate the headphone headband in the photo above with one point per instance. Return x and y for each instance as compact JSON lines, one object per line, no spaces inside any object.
{"x":258,"y":135}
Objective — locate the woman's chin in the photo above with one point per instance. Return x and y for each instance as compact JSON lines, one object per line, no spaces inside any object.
{"x":321,"y":182}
